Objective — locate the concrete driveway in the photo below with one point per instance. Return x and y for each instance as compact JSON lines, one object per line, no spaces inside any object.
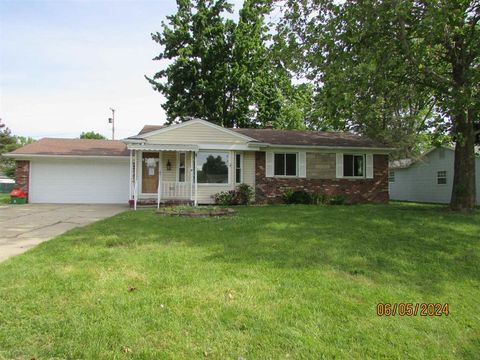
{"x":24,"y":226}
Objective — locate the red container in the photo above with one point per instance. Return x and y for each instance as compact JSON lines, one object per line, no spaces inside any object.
{"x":18,"y":193}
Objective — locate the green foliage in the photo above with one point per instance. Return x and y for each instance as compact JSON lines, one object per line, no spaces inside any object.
{"x":8,"y":143}
{"x":225,"y":198}
{"x":242,"y":195}
{"x":309,"y":198}
{"x":271,"y":281}
{"x":225,"y":71}
{"x":394,"y":71}
{"x":92,"y":135}
{"x":337,"y":199}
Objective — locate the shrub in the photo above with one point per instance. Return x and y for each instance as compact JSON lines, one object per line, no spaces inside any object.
{"x":296,"y":197}
{"x":225,"y":197}
{"x":287,"y":196}
{"x":338,"y":199}
{"x":320,"y":199}
{"x":242,"y":195}
{"x":303,"y":197}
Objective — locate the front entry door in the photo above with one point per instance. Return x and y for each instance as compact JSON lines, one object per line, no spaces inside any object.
{"x":150,"y":173}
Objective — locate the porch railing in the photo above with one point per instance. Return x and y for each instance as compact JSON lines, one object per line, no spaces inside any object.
{"x":175,"y":190}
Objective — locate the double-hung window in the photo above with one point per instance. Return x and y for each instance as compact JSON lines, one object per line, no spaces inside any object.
{"x":238,"y":168}
{"x":353,"y":165}
{"x":285,"y":164}
{"x":181,"y":167}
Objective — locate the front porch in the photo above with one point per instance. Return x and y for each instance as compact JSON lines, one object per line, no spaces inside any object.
{"x":163,"y":174}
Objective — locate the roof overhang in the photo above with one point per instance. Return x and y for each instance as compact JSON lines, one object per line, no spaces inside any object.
{"x":59,"y":156}
{"x":379,"y":150}
{"x":163,"y":147}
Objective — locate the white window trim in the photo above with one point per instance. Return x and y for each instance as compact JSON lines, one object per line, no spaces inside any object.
{"x":229,"y":165}
{"x":241,"y":168}
{"x":364,"y":166}
{"x":296,"y":164}
{"x":442,"y":177}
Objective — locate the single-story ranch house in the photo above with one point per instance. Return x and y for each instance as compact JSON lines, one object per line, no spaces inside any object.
{"x":193,"y":160}
{"x":428,"y":178}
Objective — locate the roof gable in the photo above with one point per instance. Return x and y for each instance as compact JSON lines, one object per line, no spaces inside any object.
{"x":194,"y":131}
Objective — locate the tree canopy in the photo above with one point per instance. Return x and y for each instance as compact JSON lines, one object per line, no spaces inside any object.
{"x":224,"y":70}
{"x":92,"y":135}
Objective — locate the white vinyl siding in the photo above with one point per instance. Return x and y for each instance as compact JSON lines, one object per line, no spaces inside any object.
{"x":419,"y":181}
{"x":195,"y":133}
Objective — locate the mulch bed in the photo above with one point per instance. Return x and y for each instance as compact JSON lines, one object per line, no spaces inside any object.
{"x":198,"y":212}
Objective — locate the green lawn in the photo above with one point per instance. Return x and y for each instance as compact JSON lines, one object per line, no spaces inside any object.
{"x":274,"y":282}
{"x":4,"y":198}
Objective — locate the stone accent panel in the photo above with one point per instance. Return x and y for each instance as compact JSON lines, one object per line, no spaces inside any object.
{"x":269,"y":190}
{"x":321,"y":166}
{"x":22,"y":175}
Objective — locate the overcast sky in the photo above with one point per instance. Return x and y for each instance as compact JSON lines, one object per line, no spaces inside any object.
{"x":64,"y":63}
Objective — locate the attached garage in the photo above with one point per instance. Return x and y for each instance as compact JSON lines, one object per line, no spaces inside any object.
{"x":79,"y":181}
{"x":73,"y":171}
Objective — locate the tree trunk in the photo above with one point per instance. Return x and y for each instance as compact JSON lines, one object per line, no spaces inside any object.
{"x":464,"y":189}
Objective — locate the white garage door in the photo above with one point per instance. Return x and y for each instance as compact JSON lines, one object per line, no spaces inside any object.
{"x":79,"y":181}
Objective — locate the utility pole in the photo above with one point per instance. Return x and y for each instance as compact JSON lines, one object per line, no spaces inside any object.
{"x":112,"y":121}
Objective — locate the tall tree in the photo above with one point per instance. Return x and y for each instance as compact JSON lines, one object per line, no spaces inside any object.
{"x":385,"y":67}
{"x":225,"y":71}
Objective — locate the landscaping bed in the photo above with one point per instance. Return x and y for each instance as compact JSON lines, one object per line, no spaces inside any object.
{"x":195,"y":212}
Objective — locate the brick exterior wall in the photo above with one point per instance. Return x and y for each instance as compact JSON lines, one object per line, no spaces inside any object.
{"x":22,"y":175}
{"x":269,"y":190}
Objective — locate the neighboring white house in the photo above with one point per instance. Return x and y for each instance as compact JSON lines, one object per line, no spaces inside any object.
{"x":427,"y":179}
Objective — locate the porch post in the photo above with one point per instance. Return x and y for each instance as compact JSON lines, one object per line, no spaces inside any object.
{"x":159,"y":188}
{"x":130,"y":178}
{"x":195,"y":203}
{"x":135,"y":183}
{"x":191,"y":176}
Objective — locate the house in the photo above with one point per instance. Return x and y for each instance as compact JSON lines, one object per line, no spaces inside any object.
{"x":193,"y":160}
{"x":426,"y":179}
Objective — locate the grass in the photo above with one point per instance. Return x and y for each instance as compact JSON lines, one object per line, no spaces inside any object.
{"x":274,"y":282}
{"x":4,"y":198}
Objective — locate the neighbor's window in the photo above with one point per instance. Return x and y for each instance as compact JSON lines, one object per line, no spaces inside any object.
{"x":212,"y":167}
{"x":391,"y":176}
{"x":285,"y":164}
{"x":238,"y":168}
{"x":181,"y":167}
{"x":441,"y":177}
{"x":354,"y":165}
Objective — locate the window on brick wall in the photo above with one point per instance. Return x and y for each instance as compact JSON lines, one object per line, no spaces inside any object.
{"x":285,"y":164}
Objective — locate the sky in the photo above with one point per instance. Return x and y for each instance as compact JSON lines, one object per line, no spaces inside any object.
{"x":63,"y":64}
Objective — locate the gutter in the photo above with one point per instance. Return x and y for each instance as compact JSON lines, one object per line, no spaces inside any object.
{"x":386,"y":150}
{"x":34,"y":156}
